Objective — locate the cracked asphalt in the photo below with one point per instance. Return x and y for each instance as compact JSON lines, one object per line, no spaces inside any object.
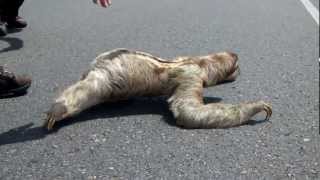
{"x":277,"y":43}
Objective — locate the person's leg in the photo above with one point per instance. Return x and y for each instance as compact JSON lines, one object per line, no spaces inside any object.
{"x":10,"y":13}
{"x":11,"y":84}
{"x":3,"y":28}
{"x":10,"y":7}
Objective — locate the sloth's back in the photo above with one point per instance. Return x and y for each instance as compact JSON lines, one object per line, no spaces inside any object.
{"x":134,"y":74}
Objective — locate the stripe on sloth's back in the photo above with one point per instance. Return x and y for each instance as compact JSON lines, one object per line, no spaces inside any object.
{"x":117,"y":52}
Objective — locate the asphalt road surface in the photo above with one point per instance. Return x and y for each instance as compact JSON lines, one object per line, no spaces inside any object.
{"x":277,"y":43}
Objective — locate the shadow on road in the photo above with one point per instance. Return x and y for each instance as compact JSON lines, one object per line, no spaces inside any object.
{"x":21,"y":134}
{"x":12,"y":95}
{"x":14,"y":44}
{"x":136,"y":106}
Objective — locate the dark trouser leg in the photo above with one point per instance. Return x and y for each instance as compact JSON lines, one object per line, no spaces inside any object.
{"x":10,"y":8}
{"x":9,"y":12}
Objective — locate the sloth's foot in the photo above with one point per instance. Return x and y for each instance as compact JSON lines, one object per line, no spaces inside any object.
{"x":227,"y":115}
{"x":240,"y":114}
{"x":268,"y":109}
{"x":57,"y":112}
{"x":218,"y":115}
{"x":250,"y":109}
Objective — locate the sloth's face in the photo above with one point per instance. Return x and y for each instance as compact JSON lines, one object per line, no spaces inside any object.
{"x":228,"y":66}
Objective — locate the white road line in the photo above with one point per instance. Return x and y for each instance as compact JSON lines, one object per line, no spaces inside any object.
{"x":311,"y":9}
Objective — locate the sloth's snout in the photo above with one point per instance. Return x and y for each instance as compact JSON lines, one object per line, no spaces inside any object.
{"x":234,"y":55}
{"x":234,"y":70}
{"x":234,"y":58}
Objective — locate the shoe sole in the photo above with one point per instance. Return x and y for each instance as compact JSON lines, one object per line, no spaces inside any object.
{"x":15,"y":27}
{"x":16,"y":91}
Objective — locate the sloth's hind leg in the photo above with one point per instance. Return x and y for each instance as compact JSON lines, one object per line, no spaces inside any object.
{"x":92,"y":89}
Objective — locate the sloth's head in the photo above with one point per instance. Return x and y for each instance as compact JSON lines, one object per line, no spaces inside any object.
{"x":223,"y":67}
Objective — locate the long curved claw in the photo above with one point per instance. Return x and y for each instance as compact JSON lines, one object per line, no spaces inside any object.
{"x":268,"y":109}
{"x":57,"y":112}
{"x":50,"y":121}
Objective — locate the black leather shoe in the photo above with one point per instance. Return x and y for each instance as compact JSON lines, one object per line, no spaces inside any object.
{"x":13,"y":85}
{"x":16,"y":22}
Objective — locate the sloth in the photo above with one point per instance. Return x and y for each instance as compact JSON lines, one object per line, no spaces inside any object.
{"x":122,"y":73}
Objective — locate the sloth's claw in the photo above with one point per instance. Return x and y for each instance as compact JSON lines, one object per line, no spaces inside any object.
{"x":49,"y":122}
{"x":57,"y":112}
{"x":268,"y":109}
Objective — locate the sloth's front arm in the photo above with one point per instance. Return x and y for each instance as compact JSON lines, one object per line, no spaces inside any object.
{"x":188,"y":108}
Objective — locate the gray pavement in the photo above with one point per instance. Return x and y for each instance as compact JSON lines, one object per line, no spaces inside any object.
{"x":277,"y":43}
{"x":315,"y":3}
